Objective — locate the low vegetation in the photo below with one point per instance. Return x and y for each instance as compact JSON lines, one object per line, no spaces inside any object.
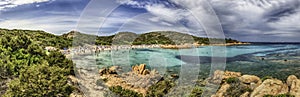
{"x":236,"y":87}
{"x":124,"y":92}
{"x":33,"y":71}
{"x":232,"y":80}
{"x":160,"y":89}
{"x":280,"y":95}
{"x":196,"y":92}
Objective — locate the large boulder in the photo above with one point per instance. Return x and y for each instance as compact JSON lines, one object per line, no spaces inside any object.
{"x":247,"y":79}
{"x":270,"y":87}
{"x":140,"y":69}
{"x":294,"y":83}
{"x":251,"y":80}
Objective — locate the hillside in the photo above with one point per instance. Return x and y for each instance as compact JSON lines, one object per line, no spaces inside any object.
{"x":40,"y":37}
{"x":27,"y":70}
{"x":130,"y":38}
{"x":67,"y":40}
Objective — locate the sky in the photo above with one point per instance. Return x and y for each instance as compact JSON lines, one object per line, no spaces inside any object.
{"x":244,"y":20}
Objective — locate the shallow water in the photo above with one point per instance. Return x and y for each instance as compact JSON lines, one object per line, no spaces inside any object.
{"x":261,"y":60}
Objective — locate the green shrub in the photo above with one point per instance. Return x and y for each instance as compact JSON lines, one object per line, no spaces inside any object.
{"x":237,"y":89}
{"x":196,"y":92}
{"x":34,"y":72}
{"x":160,"y":89}
{"x":40,"y":81}
{"x":124,"y":92}
{"x":232,"y":80}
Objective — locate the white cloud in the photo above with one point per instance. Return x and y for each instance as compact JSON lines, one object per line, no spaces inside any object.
{"x":48,"y":24}
{"x":14,"y":3}
{"x":265,"y":18}
{"x":240,"y":18}
{"x":166,"y":15}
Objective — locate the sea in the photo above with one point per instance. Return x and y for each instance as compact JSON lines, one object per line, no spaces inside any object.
{"x":277,"y":60}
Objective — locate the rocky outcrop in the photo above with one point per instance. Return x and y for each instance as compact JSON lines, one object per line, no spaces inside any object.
{"x":270,"y":87}
{"x":222,"y":90}
{"x":251,"y":80}
{"x":294,"y":85}
{"x":140,"y":69}
{"x":139,"y":79}
{"x":252,"y":86}
{"x":111,"y":70}
{"x":229,"y":74}
{"x":221,"y":75}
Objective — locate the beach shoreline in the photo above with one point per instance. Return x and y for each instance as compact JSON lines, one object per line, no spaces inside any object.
{"x":91,"y":49}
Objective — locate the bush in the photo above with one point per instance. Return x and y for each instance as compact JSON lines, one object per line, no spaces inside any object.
{"x":35,"y":72}
{"x":237,"y":89}
{"x":40,"y":81}
{"x":232,"y":80}
{"x":196,"y":92}
{"x":124,"y":92}
{"x":160,"y":89}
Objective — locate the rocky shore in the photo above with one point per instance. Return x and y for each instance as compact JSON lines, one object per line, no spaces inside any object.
{"x":138,"y":80}
{"x":234,"y":84}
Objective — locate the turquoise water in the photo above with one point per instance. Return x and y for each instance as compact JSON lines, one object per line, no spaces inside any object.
{"x":167,"y":57}
{"x":261,"y":60}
